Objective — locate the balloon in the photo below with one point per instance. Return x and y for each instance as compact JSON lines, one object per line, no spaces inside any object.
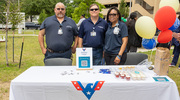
{"x":149,"y":43}
{"x":165,"y":36}
{"x":175,"y":25}
{"x":145,"y":27}
{"x":165,"y":18}
{"x":172,"y":3}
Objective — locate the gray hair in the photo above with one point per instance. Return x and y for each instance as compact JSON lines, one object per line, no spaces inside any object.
{"x":93,"y":5}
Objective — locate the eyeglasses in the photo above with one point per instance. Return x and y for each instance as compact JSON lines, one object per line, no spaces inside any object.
{"x":94,"y":9}
{"x":112,"y":15}
{"x":60,"y":8}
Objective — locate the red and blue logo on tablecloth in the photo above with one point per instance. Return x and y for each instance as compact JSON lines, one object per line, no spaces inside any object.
{"x":89,"y":89}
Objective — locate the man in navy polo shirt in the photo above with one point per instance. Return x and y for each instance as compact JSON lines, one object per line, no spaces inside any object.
{"x":60,"y":32}
{"x":92,"y":33}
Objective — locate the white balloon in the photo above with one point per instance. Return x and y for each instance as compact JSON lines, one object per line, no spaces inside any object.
{"x":172,"y":3}
{"x":145,"y":27}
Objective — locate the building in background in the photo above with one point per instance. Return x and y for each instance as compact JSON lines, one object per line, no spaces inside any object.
{"x":142,"y":7}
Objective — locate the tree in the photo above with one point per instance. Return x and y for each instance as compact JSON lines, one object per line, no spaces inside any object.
{"x":83,"y":8}
{"x":71,"y":7}
{"x":6,"y":8}
{"x":42,"y":16}
{"x":14,"y":18}
{"x":123,"y":8}
{"x":36,"y":7}
{"x":9,"y":13}
{"x":2,"y":14}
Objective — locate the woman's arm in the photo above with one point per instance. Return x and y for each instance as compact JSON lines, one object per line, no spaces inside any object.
{"x":123,"y":47}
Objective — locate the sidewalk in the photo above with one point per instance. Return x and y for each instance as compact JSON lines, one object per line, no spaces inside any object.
{"x":145,"y":50}
{"x":19,"y":35}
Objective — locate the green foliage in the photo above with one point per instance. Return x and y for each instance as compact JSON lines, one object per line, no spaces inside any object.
{"x":124,"y":9}
{"x":70,"y":7}
{"x":15,"y":17}
{"x":2,"y":14}
{"x":42,"y":16}
{"x":83,"y":8}
{"x":36,"y":7}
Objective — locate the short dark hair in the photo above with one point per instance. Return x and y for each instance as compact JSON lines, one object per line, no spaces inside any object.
{"x":133,"y":15}
{"x":83,"y":15}
{"x":110,"y":11}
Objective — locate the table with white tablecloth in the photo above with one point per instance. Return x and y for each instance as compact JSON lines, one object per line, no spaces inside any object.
{"x":67,"y":83}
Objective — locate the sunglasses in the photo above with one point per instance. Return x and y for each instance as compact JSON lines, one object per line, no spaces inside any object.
{"x":60,"y":8}
{"x":94,"y":9}
{"x":112,"y":15}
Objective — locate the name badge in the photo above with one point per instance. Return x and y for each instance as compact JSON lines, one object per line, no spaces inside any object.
{"x":116,"y":30}
{"x":93,"y":33}
{"x":60,"y":32}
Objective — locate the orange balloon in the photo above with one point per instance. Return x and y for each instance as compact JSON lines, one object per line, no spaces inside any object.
{"x":165,"y":36}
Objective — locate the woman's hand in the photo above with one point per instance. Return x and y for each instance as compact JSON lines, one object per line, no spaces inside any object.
{"x":116,"y":61}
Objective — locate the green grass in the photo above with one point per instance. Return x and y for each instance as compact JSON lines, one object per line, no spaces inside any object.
{"x":32,"y":56}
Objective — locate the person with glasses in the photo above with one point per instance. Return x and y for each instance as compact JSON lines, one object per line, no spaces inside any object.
{"x":92,"y":33}
{"x":60,"y":32}
{"x":116,"y":39}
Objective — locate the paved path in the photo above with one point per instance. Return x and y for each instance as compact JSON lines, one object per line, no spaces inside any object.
{"x":19,"y":35}
{"x":144,"y":50}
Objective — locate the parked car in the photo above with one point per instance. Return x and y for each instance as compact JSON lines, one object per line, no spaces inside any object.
{"x":31,"y":25}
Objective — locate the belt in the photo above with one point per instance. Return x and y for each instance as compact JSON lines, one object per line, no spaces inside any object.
{"x":52,"y":51}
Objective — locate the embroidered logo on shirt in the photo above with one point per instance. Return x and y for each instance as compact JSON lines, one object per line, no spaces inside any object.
{"x":100,"y":27}
{"x":68,"y":26}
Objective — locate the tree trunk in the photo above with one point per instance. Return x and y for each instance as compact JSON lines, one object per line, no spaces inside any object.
{"x":13,"y":45}
{"x":31,"y":17}
{"x":7,"y":63}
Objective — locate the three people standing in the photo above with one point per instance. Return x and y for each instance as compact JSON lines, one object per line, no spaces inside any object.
{"x":61,"y":31}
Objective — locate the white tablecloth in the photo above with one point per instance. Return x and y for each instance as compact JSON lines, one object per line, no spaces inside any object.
{"x":50,"y":83}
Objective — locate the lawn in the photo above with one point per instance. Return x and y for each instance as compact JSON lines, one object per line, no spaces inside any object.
{"x":32,"y":56}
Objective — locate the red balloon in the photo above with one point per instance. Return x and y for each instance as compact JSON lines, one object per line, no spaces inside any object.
{"x":165,"y":18}
{"x":165,"y":36}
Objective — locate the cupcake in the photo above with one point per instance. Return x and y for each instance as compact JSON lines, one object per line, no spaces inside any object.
{"x":116,"y":74}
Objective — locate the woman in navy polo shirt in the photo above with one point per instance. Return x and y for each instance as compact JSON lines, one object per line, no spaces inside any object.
{"x":116,"y":39}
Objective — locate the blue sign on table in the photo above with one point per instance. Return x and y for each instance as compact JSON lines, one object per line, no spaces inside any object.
{"x":84,"y":62}
{"x":105,"y":71}
{"x":160,"y":79}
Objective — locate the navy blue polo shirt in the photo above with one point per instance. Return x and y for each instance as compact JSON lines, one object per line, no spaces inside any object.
{"x":55,"y":41}
{"x":87,"y":27}
{"x":113,"y":42}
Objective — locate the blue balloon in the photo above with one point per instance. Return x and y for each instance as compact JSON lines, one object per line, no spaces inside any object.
{"x":149,"y":43}
{"x":175,"y":25}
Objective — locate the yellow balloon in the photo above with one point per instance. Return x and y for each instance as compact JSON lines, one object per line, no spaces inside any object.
{"x":145,"y":27}
{"x":172,"y":3}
